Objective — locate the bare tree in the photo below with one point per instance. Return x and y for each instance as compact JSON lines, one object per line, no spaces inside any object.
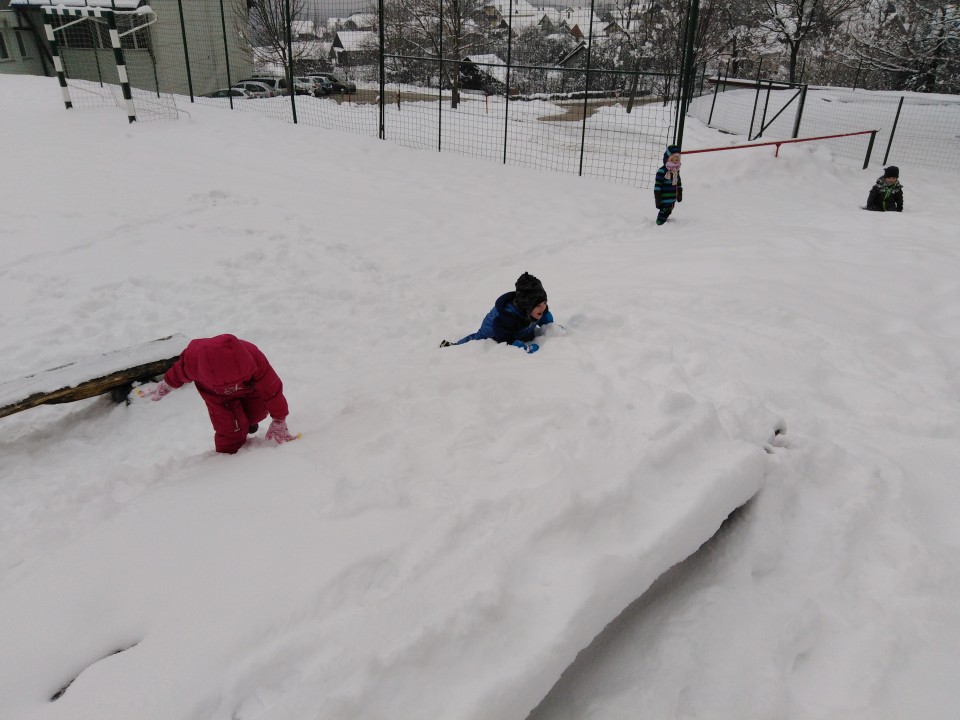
{"x":795,"y":21}
{"x":419,"y":23}
{"x":263,"y":27}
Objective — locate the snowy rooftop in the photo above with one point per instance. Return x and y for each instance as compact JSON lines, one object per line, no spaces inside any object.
{"x":490,"y":64}
{"x":356,"y":39}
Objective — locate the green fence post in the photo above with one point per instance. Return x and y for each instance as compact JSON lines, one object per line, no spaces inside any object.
{"x":586,"y":90}
{"x":440,"y":85}
{"x":716,"y":89}
{"x":766,"y":104}
{"x":866,"y":160}
{"x":796,"y":123}
{"x":756,"y":99}
{"x":383,"y":81}
{"x":226,"y":51}
{"x":687,"y":71}
{"x":186,"y":51}
{"x":289,"y":52}
{"x":893,"y":131}
{"x":506,"y":110}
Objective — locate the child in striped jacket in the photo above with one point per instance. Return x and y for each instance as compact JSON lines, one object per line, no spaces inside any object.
{"x":668,"y":188}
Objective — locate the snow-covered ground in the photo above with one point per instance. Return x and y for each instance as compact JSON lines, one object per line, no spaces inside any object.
{"x":919,"y":129}
{"x":455,"y":525}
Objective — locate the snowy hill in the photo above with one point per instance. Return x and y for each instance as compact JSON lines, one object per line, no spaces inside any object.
{"x":456,"y":525}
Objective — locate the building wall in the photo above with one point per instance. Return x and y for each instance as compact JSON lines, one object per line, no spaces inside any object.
{"x":13,"y":60}
{"x":157,"y":65}
{"x":205,"y":45}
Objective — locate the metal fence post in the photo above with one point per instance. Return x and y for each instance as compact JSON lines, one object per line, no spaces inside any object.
{"x":893,"y":131}
{"x":766,"y":104}
{"x":687,"y":71}
{"x":383,"y":81}
{"x":96,"y":55}
{"x":796,"y":123}
{"x":586,"y":90}
{"x":716,"y":89}
{"x":226,"y":50}
{"x":866,"y":160}
{"x":756,"y":99}
{"x":440,"y":85}
{"x":186,"y":51}
{"x":506,"y":112}
{"x":289,"y":53}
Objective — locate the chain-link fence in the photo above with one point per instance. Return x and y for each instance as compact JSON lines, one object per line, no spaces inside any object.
{"x":572,"y":113}
{"x":573,"y":106}
{"x":913,"y":128}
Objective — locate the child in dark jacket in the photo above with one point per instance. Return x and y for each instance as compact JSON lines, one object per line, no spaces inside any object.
{"x":668,"y":188}
{"x":887,"y":193}
{"x":515,"y":316}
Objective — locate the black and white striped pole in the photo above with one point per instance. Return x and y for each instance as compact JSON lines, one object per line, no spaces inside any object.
{"x":55,"y":52}
{"x":121,"y":63}
{"x":85,"y":13}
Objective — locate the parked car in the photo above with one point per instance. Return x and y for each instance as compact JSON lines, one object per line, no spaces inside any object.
{"x":304,"y":85}
{"x":234,"y":92}
{"x":277,"y":85}
{"x":332,"y":84}
{"x":321,"y":86}
{"x":255,"y":88}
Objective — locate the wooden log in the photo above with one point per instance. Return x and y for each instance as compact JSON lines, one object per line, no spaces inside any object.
{"x":113,"y":372}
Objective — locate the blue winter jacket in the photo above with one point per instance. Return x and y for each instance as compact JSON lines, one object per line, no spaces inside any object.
{"x":506,"y":324}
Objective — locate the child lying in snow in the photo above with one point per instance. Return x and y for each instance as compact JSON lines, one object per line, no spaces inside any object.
{"x":516,"y":316}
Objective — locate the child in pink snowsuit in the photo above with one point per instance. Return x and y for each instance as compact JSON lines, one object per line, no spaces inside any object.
{"x":238,"y":385}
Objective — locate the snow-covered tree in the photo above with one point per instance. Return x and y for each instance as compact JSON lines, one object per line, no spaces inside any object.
{"x":916,"y":43}
{"x":793,"y":22}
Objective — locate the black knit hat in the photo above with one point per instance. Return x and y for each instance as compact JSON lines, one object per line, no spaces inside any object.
{"x":530,"y":293}
{"x":892,"y":171}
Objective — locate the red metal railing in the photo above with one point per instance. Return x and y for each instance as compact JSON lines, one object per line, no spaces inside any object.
{"x":778,"y":143}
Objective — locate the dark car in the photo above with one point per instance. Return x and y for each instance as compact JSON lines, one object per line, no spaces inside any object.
{"x":332,"y":84}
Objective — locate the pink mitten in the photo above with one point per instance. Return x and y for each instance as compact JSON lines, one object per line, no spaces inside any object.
{"x":279,"y":433}
{"x":156,"y":393}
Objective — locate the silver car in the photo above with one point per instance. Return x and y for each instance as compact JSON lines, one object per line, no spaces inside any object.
{"x":255,"y":88}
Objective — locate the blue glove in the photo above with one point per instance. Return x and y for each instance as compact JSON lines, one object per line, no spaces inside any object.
{"x":531,"y":348}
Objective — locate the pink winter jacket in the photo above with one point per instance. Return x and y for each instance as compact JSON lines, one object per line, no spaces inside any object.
{"x":226,"y":368}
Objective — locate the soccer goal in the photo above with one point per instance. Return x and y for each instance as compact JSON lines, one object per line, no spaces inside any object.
{"x":90,"y":41}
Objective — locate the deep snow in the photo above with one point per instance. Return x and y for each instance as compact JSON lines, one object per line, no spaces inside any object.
{"x":455,"y":525}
